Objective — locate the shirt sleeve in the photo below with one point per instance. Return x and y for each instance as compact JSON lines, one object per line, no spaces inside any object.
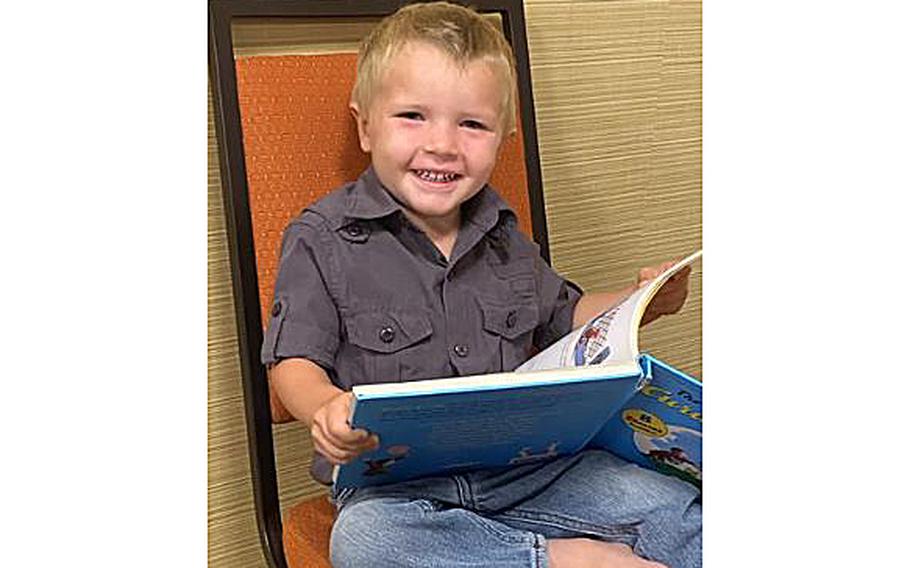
{"x":558,"y":297}
{"x":303,"y":318}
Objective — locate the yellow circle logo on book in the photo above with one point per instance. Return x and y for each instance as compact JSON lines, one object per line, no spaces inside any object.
{"x":645,"y":422}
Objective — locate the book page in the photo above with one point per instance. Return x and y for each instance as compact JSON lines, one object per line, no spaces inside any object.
{"x":610,"y":336}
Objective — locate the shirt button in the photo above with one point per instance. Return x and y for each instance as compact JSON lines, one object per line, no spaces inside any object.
{"x":461,"y":350}
{"x":276,"y":309}
{"x":510,"y":320}
{"x":387,"y":334}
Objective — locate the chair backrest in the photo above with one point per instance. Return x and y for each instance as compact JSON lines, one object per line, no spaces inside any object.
{"x":300,"y":142}
{"x":285,"y":139}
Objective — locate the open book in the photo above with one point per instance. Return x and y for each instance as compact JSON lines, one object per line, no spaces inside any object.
{"x":592,"y":388}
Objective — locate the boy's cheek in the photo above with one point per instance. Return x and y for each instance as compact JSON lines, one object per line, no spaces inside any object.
{"x":485,"y":147}
{"x":402,"y":137}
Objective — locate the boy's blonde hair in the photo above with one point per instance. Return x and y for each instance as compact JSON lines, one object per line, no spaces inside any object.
{"x":462,"y":33}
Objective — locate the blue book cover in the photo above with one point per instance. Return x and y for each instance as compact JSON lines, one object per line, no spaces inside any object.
{"x":449,"y":425}
{"x":592,"y":388}
{"x":660,"y":426}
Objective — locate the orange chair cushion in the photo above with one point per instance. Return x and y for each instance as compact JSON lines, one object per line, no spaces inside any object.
{"x":306,"y":532}
{"x":300,"y":142}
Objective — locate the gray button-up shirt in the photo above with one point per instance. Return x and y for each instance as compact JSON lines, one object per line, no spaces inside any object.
{"x":367,"y":296}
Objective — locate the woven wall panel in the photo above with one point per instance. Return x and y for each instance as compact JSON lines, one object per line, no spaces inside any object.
{"x":674,"y":218}
{"x":232,"y":539}
{"x":286,"y":36}
{"x":617,"y":87}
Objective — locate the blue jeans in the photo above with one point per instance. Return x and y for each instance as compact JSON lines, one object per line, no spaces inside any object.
{"x":504,"y":517}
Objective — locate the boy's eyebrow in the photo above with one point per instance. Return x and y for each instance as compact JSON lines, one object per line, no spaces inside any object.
{"x":404,"y":103}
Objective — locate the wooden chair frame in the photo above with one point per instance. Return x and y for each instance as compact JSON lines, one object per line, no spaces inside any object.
{"x":239,"y":224}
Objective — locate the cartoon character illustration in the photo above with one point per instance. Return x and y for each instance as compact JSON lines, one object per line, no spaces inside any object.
{"x":525,"y":455}
{"x":380,"y":466}
{"x":676,"y":457}
{"x":678,"y":453}
{"x":592,"y":347}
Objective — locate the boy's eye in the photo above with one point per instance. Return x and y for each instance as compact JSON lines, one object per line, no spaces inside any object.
{"x":410,"y":115}
{"x":474,"y":125}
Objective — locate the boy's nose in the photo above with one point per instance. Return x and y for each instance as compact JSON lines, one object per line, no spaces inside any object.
{"x":441,"y":140}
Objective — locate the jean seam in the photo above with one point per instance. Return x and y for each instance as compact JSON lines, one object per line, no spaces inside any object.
{"x":492,"y":528}
{"x":541,"y":558}
{"x":571,"y":524}
{"x":428,"y":505}
{"x":341,"y":496}
{"x":465,"y":494}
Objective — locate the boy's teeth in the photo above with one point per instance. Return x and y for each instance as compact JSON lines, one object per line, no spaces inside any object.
{"x":436,"y":177}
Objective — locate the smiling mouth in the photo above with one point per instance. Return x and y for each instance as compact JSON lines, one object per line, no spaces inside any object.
{"x":436,"y":176}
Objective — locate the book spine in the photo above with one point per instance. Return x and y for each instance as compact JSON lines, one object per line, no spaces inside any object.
{"x":647,"y":372}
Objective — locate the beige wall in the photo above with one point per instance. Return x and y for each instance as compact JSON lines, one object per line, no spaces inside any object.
{"x":617,"y":87}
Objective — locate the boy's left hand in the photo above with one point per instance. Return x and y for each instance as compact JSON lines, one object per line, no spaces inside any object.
{"x":672,"y":295}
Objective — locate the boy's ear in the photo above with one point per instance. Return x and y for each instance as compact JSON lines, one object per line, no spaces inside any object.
{"x":361,"y":120}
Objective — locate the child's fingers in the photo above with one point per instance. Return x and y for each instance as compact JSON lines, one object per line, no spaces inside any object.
{"x":335,"y":425}
{"x":335,"y":454}
{"x":652,"y":272}
{"x":648,"y":273}
{"x":372,"y":442}
{"x":333,"y":437}
{"x":358,"y":439}
{"x":341,"y":434}
{"x":351,"y":440}
{"x":682,"y":274}
{"x":341,"y":449}
{"x":645,"y":275}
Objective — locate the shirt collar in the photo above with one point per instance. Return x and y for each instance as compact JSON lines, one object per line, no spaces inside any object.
{"x":485,"y":209}
{"x":369,"y":199}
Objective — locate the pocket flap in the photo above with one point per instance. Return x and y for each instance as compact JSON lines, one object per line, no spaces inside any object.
{"x":509,"y":321}
{"x":387,"y":331}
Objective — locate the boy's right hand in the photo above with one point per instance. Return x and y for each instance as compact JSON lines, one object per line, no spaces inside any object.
{"x":333,"y":437}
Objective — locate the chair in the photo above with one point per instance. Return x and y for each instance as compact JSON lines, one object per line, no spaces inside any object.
{"x":285,"y":138}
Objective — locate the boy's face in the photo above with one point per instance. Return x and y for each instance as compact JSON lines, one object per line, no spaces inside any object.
{"x":433,"y":130}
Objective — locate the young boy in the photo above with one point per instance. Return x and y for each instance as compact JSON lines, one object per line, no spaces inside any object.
{"x":417,"y":270}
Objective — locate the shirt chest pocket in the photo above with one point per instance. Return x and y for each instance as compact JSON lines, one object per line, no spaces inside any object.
{"x":513,"y":326}
{"x":516,"y":275}
{"x":384,"y":343}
